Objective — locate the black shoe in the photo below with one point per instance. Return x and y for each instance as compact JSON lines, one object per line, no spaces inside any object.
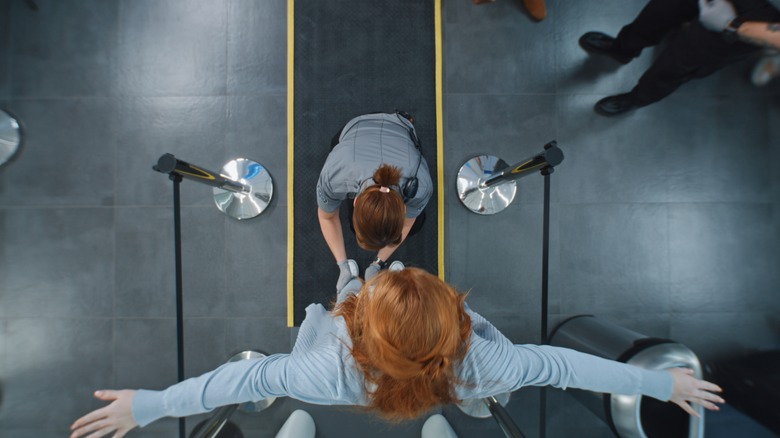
{"x":616,"y":105}
{"x":597,"y":42}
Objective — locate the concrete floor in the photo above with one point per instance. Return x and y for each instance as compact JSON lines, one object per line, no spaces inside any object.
{"x":665,"y":220}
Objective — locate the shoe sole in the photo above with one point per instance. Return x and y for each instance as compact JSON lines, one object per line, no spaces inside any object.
{"x":594,"y":51}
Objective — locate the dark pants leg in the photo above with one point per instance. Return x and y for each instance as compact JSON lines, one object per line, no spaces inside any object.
{"x":654,"y":22}
{"x":694,"y":52}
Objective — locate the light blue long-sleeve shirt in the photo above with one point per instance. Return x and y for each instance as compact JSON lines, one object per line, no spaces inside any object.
{"x":321,"y":370}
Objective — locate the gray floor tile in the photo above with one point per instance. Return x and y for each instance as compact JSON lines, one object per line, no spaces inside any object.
{"x":256,"y":270}
{"x":719,"y":162}
{"x":257,"y":130}
{"x":257,"y":68}
{"x":68,"y":357}
{"x":50,"y":60}
{"x":146,"y":355}
{"x":203,"y":253}
{"x":190,"y":128}
{"x":5,"y":33}
{"x":204,"y":345}
{"x":724,"y":335}
{"x":497,"y":258}
{"x":166,"y":48}
{"x":719,"y":262}
{"x":615,"y":258}
{"x":266,"y":335}
{"x":498,"y":60}
{"x":773,"y":116}
{"x":146,"y":282}
{"x":70,"y":141}
{"x":145,"y":273}
{"x":56,"y":262}
{"x":613,"y":159}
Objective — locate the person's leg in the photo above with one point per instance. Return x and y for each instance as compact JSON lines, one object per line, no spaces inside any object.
{"x":694,"y":52}
{"x":656,"y":19}
{"x":654,"y":22}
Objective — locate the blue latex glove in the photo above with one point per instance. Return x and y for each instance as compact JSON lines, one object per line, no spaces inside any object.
{"x":371,"y":271}
{"x":348,"y":269}
{"x":716,"y":15}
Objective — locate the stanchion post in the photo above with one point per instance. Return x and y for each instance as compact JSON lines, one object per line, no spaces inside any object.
{"x":486,"y":185}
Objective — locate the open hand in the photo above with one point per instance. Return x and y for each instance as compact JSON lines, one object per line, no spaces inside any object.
{"x":116,"y":418}
{"x":690,"y":389}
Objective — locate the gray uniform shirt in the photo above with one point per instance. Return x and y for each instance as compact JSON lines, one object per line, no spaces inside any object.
{"x":366,"y":142}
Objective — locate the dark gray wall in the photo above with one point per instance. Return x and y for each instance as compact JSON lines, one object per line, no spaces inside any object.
{"x":665,"y":221}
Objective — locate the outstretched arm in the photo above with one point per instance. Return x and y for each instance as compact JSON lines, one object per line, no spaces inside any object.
{"x":762,"y":34}
{"x":231,"y":383}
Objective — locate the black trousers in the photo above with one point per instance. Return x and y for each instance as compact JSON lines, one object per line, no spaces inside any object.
{"x":692,"y":51}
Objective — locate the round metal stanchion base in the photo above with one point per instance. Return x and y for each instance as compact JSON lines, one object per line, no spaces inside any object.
{"x":478,"y":407}
{"x":488,"y":200}
{"x":252,"y":406}
{"x":245,"y":205}
{"x":10,"y":137}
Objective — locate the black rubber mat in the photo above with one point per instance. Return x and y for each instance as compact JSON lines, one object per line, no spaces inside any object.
{"x":352,"y":58}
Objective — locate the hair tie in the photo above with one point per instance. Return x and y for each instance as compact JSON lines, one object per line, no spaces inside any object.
{"x":384,"y":189}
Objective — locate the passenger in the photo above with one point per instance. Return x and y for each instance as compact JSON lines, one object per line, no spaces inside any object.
{"x":400,"y":345}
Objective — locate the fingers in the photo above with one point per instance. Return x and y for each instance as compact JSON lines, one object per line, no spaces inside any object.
{"x":93,"y":416}
{"x":710,"y":386}
{"x":687,"y":408}
{"x":106,"y":394}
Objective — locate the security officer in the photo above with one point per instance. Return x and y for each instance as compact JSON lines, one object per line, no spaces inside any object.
{"x":376,"y":165}
{"x":718,"y":33}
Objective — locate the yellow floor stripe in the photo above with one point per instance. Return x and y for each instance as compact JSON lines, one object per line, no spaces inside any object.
{"x":290,"y":156}
{"x":439,"y":135}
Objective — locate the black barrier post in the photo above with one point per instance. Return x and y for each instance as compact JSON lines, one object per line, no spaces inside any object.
{"x":176,"y":178}
{"x":545,"y":270}
{"x":486,"y":185}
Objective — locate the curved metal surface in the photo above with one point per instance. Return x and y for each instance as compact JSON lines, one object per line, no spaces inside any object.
{"x":250,"y":202}
{"x":626,"y":409}
{"x":625,"y":412}
{"x":479,"y":199}
{"x":479,"y":407}
{"x":10,"y":137}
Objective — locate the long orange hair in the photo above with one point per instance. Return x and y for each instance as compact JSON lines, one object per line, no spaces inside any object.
{"x":378,"y":218}
{"x":409,"y":329}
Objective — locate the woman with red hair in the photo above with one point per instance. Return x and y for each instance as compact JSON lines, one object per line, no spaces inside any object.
{"x":400,"y":344}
